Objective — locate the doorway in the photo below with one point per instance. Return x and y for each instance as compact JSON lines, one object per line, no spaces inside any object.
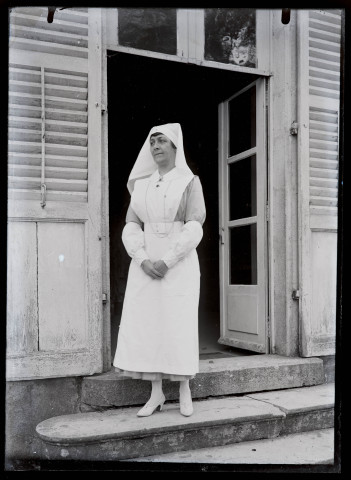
{"x":143,"y":92}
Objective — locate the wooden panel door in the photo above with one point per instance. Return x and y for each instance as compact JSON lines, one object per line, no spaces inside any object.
{"x":242,"y":187}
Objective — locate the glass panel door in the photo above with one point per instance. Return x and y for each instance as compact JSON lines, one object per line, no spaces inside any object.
{"x":242,"y":170}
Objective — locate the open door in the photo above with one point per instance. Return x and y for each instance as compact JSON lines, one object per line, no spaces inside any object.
{"x":242,"y":219}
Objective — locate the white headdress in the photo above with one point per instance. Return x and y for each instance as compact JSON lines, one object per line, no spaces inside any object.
{"x":145,"y":165}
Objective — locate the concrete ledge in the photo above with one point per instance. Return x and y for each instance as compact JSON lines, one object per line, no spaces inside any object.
{"x":119,"y":434}
{"x":228,"y":376}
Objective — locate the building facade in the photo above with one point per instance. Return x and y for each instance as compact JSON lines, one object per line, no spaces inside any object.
{"x":258,"y":101}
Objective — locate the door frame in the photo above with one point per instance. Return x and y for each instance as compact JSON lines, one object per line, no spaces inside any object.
{"x":105,"y":229}
{"x":282,"y":271}
{"x":263,"y":296}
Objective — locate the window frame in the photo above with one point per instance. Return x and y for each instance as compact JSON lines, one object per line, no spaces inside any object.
{"x":191,"y":40}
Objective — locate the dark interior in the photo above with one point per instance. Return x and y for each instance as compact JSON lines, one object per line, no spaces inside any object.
{"x":143,"y":92}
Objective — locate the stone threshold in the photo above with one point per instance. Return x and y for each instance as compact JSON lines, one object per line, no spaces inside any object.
{"x":217,"y":377}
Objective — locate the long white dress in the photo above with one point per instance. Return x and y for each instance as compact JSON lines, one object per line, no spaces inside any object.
{"x":158,"y":334}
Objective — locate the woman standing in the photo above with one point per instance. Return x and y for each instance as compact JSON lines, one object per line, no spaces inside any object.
{"x":158,"y":335}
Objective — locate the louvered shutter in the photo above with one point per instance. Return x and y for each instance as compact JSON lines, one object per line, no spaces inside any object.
{"x":319,"y":33}
{"x":54,"y":307}
{"x":48,"y":107}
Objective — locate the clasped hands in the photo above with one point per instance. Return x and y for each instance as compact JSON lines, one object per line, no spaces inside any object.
{"x":155,"y":270}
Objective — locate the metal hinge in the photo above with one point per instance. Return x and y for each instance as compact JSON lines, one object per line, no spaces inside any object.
{"x":294,"y":128}
{"x":104,"y":298}
{"x":43,"y":195}
{"x":221,"y":236}
{"x":296,"y":294}
{"x":268,"y":328}
{"x":267,"y":212}
{"x":102,"y":107}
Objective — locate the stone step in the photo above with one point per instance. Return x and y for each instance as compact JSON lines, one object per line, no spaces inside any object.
{"x":311,"y":448}
{"x":219,"y":376}
{"x":118,"y":434}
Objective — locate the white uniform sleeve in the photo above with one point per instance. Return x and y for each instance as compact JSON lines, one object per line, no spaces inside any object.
{"x":189,"y":238}
{"x":191,"y":233}
{"x":133,"y":241}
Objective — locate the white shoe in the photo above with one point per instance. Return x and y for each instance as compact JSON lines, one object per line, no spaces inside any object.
{"x":149,"y":407}
{"x":186,"y":404}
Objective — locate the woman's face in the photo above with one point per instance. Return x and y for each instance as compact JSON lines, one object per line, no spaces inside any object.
{"x":162,"y":150}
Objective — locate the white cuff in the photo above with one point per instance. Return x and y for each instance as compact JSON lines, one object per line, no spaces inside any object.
{"x":170,"y":259}
{"x":140,"y":255}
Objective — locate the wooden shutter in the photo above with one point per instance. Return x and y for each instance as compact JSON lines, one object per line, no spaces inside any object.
{"x":318,"y":106}
{"x":66,"y":35}
{"x":54,"y":297}
{"x":48,"y":107}
{"x":48,"y":123}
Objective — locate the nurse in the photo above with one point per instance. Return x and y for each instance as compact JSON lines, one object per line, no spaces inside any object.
{"x":158,"y":335}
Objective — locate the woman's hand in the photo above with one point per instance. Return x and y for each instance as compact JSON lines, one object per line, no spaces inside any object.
{"x":150,"y":270}
{"x":161,"y":267}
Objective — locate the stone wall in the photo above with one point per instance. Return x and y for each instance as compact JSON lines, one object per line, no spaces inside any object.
{"x":27,"y":404}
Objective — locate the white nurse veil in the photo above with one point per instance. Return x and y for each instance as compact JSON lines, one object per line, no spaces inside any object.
{"x":145,"y":165}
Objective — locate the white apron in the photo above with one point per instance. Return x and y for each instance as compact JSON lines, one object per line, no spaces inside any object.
{"x":159,"y":324}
